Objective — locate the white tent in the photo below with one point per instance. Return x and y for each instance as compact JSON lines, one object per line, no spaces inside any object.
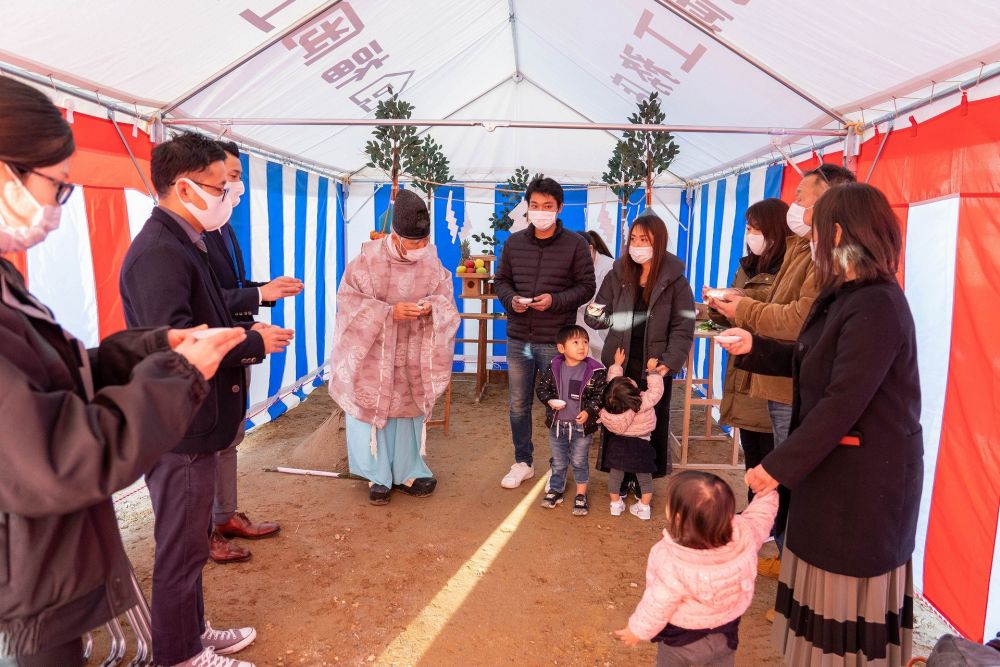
{"x":722,"y":63}
{"x":745,"y":84}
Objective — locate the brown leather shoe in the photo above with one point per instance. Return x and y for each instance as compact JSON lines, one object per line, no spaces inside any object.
{"x":223,"y":551}
{"x":239,"y":525}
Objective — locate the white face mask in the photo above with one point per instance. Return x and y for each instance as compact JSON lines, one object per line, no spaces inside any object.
{"x":417,"y":254}
{"x":796,"y":218}
{"x":23,"y":221}
{"x":236,"y":190}
{"x":542,"y":220}
{"x":217,"y":212}
{"x":640,"y":254}
{"x":756,"y":243}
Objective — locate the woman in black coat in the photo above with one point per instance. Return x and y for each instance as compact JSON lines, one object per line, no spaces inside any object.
{"x":647,"y":304}
{"x":854,"y":458}
{"x":78,"y":424}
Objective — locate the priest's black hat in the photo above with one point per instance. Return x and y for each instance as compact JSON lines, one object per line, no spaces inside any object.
{"x":410,"y":219}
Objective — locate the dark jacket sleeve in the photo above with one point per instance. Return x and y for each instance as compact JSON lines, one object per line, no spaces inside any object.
{"x":593,"y":396}
{"x":868,"y":343}
{"x":503,"y":280}
{"x":545,"y":388}
{"x":254,"y":283}
{"x":768,"y":357}
{"x":242,"y":300}
{"x":70,"y":454}
{"x":584,"y":283}
{"x":112,"y":361}
{"x":605,"y":296}
{"x":160,"y":296}
{"x":682,"y":316}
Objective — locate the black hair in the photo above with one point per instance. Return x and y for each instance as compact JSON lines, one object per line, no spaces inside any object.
{"x":569,"y":332}
{"x":621,"y":395}
{"x":595,"y":241}
{"x":832,"y":174}
{"x":184,"y":154}
{"x":33,"y":132}
{"x":545,"y":186}
{"x":230,"y":147}
{"x":769,"y":216}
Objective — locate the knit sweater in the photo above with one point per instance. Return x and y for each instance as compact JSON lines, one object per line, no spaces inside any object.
{"x":631,"y":423}
{"x":698,"y":589}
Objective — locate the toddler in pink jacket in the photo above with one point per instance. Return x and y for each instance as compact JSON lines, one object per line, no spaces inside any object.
{"x":700,"y":576}
{"x":629,"y":417}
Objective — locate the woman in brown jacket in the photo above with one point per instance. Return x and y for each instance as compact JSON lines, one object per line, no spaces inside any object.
{"x":765,"y":238}
{"x":78,"y":424}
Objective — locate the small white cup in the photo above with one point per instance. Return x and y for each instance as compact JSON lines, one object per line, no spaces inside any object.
{"x":524,"y":300}
{"x":557,"y":404}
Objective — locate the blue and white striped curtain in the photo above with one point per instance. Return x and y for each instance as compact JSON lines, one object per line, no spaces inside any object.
{"x":710,"y":239}
{"x":291,"y":223}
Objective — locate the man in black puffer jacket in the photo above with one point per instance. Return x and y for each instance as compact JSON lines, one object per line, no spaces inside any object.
{"x":544,"y":275}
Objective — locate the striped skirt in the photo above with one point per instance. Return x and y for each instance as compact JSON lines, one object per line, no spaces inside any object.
{"x":833,"y":620}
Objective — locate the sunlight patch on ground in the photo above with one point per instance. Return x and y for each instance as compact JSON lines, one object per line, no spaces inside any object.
{"x":409,"y":646}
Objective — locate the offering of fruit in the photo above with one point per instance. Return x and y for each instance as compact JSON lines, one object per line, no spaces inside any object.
{"x":470,"y":265}
{"x":461,"y":269}
{"x":479,"y":263}
{"x":482,"y":270}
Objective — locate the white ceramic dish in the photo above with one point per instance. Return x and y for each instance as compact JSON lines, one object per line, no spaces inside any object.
{"x":557,"y":404}
{"x":727,"y":339}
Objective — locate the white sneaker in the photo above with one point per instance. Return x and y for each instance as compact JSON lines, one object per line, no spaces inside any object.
{"x":518,"y":473}
{"x":209,"y":658}
{"x":641,"y":510}
{"x":227,"y":642}
{"x":617,"y":507}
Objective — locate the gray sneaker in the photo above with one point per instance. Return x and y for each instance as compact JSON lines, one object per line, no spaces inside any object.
{"x":552,"y":498}
{"x":209,"y":658}
{"x":226,"y":642}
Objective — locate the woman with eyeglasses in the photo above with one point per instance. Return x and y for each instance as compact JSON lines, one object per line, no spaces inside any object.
{"x":78,"y":424}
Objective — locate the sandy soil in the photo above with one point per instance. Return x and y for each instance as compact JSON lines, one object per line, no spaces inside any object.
{"x":474,"y":575}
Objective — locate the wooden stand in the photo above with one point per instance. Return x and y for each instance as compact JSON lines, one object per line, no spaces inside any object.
{"x":446,"y":419}
{"x":483,"y":372}
{"x":708,"y":403}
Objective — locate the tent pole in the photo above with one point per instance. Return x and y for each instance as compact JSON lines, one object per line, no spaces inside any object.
{"x":784,"y":81}
{"x":491,"y":125}
{"x":135,"y":163}
{"x":513,"y":38}
{"x":327,"y":6}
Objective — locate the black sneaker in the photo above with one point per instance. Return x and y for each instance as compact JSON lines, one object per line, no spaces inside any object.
{"x":580,"y":505}
{"x":421,"y":487}
{"x":378,"y":494}
{"x":552,"y":498}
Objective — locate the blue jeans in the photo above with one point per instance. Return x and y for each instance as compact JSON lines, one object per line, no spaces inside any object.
{"x":569,"y":444}
{"x":524,"y":361}
{"x":781,"y":422}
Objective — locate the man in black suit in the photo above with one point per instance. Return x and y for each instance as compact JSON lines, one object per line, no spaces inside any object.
{"x":244,"y":298}
{"x":166,"y":279}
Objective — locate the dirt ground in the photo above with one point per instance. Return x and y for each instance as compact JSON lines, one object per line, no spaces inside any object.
{"x":474,"y":575}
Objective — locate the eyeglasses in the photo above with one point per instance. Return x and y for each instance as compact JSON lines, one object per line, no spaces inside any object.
{"x":223,"y":191}
{"x":63,"y":189}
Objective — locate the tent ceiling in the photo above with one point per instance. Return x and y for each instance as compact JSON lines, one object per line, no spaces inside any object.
{"x":575,"y":60}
